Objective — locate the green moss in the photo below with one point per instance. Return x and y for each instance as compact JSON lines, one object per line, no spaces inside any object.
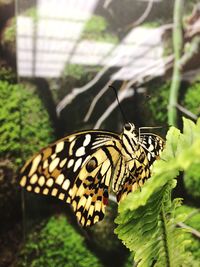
{"x":97,"y":29}
{"x":24,"y":124}
{"x":9,"y":35}
{"x":158,"y":103}
{"x":74,"y":71}
{"x":192,"y":98}
{"x":192,"y":180}
{"x":57,"y":245}
{"x":192,"y":220}
{"x":7,"y":74}
{"x":10,"y":32}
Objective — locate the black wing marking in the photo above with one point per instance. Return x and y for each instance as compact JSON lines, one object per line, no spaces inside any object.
{"x":76,"y":169}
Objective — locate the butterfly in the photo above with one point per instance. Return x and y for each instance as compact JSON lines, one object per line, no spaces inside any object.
{"x":83,"y":168}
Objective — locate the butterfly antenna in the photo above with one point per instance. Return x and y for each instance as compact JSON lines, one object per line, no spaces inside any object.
{"x":119,"y":105}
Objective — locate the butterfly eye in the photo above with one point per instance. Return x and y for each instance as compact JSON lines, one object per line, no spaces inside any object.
{"x":127,"y":127}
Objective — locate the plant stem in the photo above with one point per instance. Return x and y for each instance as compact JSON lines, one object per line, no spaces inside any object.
{"x":166,"y":245}
{"x":176,"y":78}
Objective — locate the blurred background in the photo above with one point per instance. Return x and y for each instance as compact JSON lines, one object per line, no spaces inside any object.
{"x":57,"y":60}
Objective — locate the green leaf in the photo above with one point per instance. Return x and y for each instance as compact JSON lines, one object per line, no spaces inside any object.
{"x":147,"y":219}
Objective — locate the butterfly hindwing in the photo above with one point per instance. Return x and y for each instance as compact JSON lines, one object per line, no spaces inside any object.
{"x":153,"y":145}
{"x":77,"y":170}
{"x":149,"y":150}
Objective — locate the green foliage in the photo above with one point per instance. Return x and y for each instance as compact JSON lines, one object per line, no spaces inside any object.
{"x":57,"y":245}
{"x":192,"y":220}
{"x":24,"y":124}
{"x":74,"y":71}
{"x":10,"y":32}
{"x":158,"y":103}
{"x":192,"y":98}
{"x":192,"y":180}
{"x":96,"y":29}
{"x":7,"y":74}
{"x":147,"y":219}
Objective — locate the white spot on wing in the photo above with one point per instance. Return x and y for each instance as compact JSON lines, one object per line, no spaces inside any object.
{"x":45,"y":191}
{"x":87,"y":140}
{"x":35,"y":164}
{"x":77,"y":164}
{"x":41,"y":181}
{"x":151,"y":148}
{"x":54,"y":192}
{"x":60,"y":179}
{"x":59,"y":146}
{"x":45,"y":164}
{"x":62,"y":163}
{"x":34,"y":179}
{"x":66,"y":184}
{"x":49,"y":182}
{"x":70,"y":163}
{"x":23,"y":181}
{"x":61,"y":196}
{"x":37,"y":190}
{"x":29,"y":188}
{"x":53,"y":164}
{"x":80,"y":151}
{"x":53,"y":156}
{"x":82,"y":202}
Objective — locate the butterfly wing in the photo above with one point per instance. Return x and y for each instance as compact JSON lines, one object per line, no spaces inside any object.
{"x":76,"y":169}
{"x":150,"y":147}
{"x":153,"y":145}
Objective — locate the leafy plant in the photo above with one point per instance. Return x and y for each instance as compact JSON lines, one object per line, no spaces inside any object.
{"x":192,"y":180}
{"x":192,"y":220}
{"x":73,"y":70}
{"x":10,"y":32}
{"x":96,"y":29}
{"x":57,"y":245}
{"x":20,"y":128}
{"x":7,"y":74}
{"x":158,"y":102}
{"x":147,"y":219}
{"x":192,"y":98}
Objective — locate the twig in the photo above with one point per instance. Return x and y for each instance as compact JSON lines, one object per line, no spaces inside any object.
{"x":192,"y":230}
{"x":176,"y":78}
{"x":95,"y":100}
{"x":191,"y":75}
{"x":191,"y":214}
{"x":187,"y":112}
{"x":168,"y":60}
{"x":76,"y":91}
{"x":142,"y":18}
{"x":194,"y":48}
{"x":107,"y":113}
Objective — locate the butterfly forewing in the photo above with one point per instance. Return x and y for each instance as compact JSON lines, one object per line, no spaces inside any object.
{"x":77,"y":170}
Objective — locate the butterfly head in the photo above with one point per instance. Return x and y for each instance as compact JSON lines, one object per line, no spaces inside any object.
{"x":129,"y":128}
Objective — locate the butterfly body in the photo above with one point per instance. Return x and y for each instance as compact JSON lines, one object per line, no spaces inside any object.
{"x":83,"y":168}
